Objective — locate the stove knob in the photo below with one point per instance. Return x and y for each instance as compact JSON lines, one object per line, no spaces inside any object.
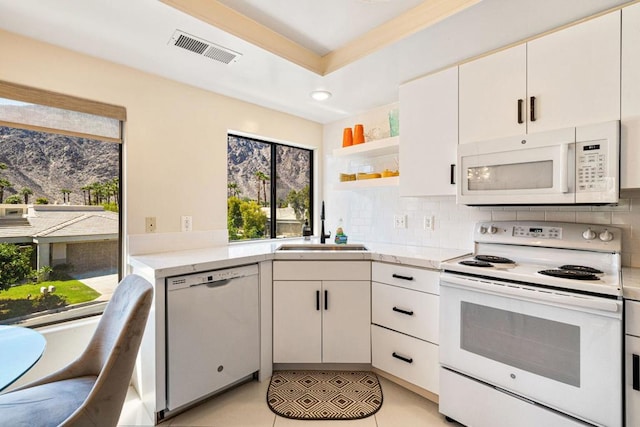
{"x":493,"y":230}
{"x":589,"y":234}
{"x":606,"y":236}
{"x":483,"y":229}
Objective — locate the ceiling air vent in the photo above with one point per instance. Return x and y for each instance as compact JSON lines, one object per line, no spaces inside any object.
{"x":204,"y":48}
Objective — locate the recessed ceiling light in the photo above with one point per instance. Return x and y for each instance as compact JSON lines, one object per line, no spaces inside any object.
{"x":320,"y":95}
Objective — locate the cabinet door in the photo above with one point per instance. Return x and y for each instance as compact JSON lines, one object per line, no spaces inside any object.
{"x":630,"y":114}
{"x":346,"y":322}
{"x":490,"y":89}
{"x":297,"y":322}
{"x":574,"y":75}
{"x":633,"y":396}
{"x":429,"y":134}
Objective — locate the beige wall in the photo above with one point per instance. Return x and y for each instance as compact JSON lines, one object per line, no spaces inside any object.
{"x":175,"y":135}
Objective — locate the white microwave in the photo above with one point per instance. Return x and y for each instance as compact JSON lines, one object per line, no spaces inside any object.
{"x":577,"y":165}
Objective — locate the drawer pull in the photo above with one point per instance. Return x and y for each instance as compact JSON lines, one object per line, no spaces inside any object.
{"x":636,"y":372}
{"x":398,"y":276}
{"x":407,"y":312}
{"x":404,"y":359}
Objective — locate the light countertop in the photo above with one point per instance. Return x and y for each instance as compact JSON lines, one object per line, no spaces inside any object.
{"x":168,"y":264}
{"x":631,"y":283}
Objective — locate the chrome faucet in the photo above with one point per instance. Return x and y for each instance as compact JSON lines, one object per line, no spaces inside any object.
{"x":323,"y":236}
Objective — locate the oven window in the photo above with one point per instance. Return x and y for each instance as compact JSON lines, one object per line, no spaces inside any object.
{"x":517,"y":176}
{"x":540,"y":346}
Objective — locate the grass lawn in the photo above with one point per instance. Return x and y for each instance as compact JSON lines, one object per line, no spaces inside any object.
{"x":15,"y":302}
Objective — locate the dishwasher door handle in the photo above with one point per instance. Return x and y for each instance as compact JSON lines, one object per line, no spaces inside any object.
{"x":218,"y":283}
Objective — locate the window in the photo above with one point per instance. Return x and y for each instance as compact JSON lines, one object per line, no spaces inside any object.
{"x":60,"y":205}
{"x":270,"y":189}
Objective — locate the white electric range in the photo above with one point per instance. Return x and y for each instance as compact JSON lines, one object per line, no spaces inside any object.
{"x":531,"y":327}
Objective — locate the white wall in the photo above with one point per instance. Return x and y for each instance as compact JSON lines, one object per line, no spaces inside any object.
{"x":367,"y":214}
{"x":175,"y":135}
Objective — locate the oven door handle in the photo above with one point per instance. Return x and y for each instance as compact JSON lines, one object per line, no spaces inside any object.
{"x":530,"y":294}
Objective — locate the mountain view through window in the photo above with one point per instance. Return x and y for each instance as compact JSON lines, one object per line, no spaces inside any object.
{"x":267,"y":181}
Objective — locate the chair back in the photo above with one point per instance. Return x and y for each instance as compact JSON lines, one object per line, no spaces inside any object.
{"x":112,"y":351}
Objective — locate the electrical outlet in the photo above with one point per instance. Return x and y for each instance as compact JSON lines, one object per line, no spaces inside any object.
{"x":150,"y":224}
{"x":429,"y":223}
{"x":186,"y":223}
{"x":400,"y":221}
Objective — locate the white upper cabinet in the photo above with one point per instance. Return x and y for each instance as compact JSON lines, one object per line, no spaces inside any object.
{"x":492,"y":90}
{"x":567,"y":78}
{"x":429,"y":108}
{"x":574,"y":75}
{"x":630,"y":114}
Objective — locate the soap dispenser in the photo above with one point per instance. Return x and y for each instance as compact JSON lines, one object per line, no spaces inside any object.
{"x":306,"y":230}
{"x":340,"y":238}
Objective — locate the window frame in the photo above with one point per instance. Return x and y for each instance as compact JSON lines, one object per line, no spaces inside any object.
{"x":273,"y":144}
{"x":47,"y":98}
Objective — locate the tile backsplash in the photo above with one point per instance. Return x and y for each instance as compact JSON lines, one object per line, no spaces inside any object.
{"x":368,"y":214}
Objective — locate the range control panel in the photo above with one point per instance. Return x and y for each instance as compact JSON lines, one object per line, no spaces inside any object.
{"x":537,"y":232}
{"x":594,"y":237}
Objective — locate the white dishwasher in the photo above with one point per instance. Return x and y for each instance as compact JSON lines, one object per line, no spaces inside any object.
{"x":212,"y":332}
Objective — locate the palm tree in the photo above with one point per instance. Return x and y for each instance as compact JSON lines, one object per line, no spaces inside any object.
{"x":26,"y":192}
{"x":4,"y":183}
{"x":233,"y":189}
{"x":66,"y":195}
{"x":262,"y":179}
{"x":113,"y":187}
{"x":86,"y":194}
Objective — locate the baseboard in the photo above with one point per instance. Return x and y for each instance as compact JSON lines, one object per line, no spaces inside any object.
{"x":409,"y":386}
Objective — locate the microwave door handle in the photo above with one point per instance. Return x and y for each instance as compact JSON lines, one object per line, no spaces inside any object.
{"x":564,"y":170}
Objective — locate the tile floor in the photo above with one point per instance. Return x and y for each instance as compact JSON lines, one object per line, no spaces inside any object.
{"x":246,"y":406}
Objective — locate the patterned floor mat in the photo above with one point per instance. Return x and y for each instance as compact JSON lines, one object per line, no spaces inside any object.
{"x":324,"y":395}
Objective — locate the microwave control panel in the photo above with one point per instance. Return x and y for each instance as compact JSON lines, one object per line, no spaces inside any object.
{"x":591,"y":166}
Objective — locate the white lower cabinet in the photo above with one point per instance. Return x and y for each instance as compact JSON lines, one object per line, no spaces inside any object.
{"x":321,"y":312}
{"x":404,"y":317}
{"x":405,"y":357}
{"x":632,"y":363}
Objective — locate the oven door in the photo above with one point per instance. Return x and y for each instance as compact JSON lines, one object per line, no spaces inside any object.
{"x":532,"y":169}
{"x":559,"y":349}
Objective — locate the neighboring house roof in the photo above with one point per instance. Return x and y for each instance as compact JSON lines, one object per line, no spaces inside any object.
{"x":63,"y":221}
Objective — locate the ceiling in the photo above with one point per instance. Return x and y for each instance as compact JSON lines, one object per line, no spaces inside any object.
{"x":138,"y":33}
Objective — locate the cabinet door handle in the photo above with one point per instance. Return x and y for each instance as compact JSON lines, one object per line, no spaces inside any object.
{"x":398,"y":276}
{"x":407,"y":312}
{"x":636,"y":372}
{"x":520,"y":104}
{"x":326,"y":300}
{"x":404,"y":359}
{"x":318,"y":300}
{"x":453,"y":174}
{"x":532,"y":108}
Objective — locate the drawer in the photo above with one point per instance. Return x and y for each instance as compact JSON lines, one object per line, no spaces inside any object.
{"x":632,"y":309}
{"x":420,"y":366}
{"x":405,"y":310}
{"x":407,"y":277}
{"x":322,"y":270}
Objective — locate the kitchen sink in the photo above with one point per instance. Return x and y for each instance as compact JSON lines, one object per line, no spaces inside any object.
{"x":318,"y":247}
